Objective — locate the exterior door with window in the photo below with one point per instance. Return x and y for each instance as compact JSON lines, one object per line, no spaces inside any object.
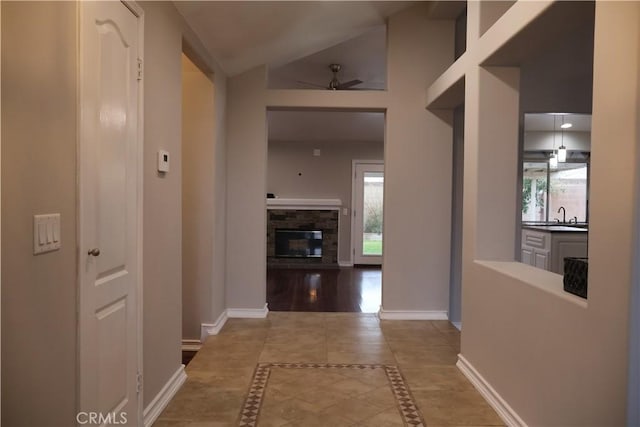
{"x":367,"y":225}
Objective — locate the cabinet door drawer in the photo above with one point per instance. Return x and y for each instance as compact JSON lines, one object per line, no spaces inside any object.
{"x":541,"y":260}
{"x":527,"y":256}
{"x":535,"y":240}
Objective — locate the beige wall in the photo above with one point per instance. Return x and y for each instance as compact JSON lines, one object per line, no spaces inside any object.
{"x":197,"y":197}
{"x":212,"y":300}
{"x":246,"y":191}
{"x":418,"y":165}
{"x":162,"y":243}
{"x":38,"y":176}
{"x":206,"y":115}
{"x":554,"y":358}
{"x":165,"y":33}
{"x":219,"y":240}
{"x":417,"y":180}
{"x":616,"y":110}
{"x":325,"y":177}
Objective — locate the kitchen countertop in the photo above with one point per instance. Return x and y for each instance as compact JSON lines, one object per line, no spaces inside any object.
{"x":556,"y":228}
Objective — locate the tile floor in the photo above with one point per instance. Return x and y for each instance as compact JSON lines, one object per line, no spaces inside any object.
{"x":220,"y":374}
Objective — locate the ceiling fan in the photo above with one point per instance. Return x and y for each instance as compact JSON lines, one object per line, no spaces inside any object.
{"x":334,"y":83}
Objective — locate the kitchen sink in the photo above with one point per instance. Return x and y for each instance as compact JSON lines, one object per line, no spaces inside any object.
{"x":555,"y":224}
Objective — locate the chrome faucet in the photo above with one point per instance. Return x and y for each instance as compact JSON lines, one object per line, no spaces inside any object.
{"x":564,"y":214}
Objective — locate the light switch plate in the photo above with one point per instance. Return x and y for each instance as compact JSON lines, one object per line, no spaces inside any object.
{"x":163,"y":161}
{"x":46,"y":233}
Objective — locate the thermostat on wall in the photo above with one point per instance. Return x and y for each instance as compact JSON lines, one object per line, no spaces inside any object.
{"x":163,"y":161}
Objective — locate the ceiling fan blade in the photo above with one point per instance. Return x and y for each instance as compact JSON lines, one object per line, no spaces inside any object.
{"x":363,"y":88}
{"x":350,"y":83}
{"x":311,"y":84}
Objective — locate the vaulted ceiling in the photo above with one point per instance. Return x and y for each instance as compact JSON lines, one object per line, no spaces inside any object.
{"x":298,"y":40}
{"x":244,"y":34}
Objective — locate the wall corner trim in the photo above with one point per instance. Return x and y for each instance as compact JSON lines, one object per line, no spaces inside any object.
{"x":345,"y":264}
{"x":248,"y":313}
{"x":162,"y":399}
{"x":214,"y":328}
{"x":506,"y":412}
{"x":412,"y":314}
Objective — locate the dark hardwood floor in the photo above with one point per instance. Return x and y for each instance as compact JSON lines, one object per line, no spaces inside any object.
{"x":355,"y":290}
{"x":187,"y":355}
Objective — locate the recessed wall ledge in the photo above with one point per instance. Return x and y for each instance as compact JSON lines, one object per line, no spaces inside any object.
{"x":314,"y":204}
{"x":536,"y":277}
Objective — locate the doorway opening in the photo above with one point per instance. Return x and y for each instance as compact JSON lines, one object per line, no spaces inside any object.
{"x":368,"y":207}
{"x":198,"y":136}
{"x":311,"y":206}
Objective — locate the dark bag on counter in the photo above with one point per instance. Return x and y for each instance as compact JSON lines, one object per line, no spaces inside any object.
{"x":575,"y":276}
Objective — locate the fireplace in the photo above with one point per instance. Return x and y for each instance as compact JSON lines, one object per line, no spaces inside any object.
{"x":298,"y":243}
{"x":302,"y":237}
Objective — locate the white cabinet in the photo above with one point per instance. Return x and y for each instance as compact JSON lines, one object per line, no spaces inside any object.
{"x":541,"y":260}
{"x":535,"y":248}
{"x":567,"y":245}
{"x":547,"y":247}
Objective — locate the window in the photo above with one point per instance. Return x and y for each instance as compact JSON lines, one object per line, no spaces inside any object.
{"x":545,"y":191}
{"x":568,"y":189}
{"x":534,"y":191}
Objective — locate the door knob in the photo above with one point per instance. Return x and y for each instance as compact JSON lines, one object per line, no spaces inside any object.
{"x":94,"y":252}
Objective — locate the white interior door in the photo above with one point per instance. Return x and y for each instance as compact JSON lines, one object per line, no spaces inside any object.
{"x":368,"y":191}
{"x":109,"y":263}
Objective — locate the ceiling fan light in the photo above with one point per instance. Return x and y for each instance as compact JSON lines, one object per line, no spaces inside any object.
{"x":334,"y":83}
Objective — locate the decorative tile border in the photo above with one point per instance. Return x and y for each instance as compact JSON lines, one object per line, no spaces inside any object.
{"x":406,"y":405}
{"x":253,"y":403}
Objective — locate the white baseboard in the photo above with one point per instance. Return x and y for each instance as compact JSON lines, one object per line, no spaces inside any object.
{"x":162,"y":399}
{"x":248,"y":313}
{"x":191,"y":345}
{"x":214,"y":328}
{"x":458,"y":325}
{"x":506,"y":412}
{"x":412,"y":315}
{"x":345,"y":264}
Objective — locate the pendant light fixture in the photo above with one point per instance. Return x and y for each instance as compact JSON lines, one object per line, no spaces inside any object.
{"x":562,"y":150}
{"x":553,"y":160}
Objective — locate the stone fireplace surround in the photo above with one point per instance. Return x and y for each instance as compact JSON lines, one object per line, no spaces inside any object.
{"x":304,"y":214}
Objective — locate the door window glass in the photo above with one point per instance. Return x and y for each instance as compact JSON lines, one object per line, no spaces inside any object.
{"x":372,"y":213}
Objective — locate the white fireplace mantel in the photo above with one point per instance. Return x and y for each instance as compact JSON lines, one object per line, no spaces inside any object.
{"x":309,"y":204}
